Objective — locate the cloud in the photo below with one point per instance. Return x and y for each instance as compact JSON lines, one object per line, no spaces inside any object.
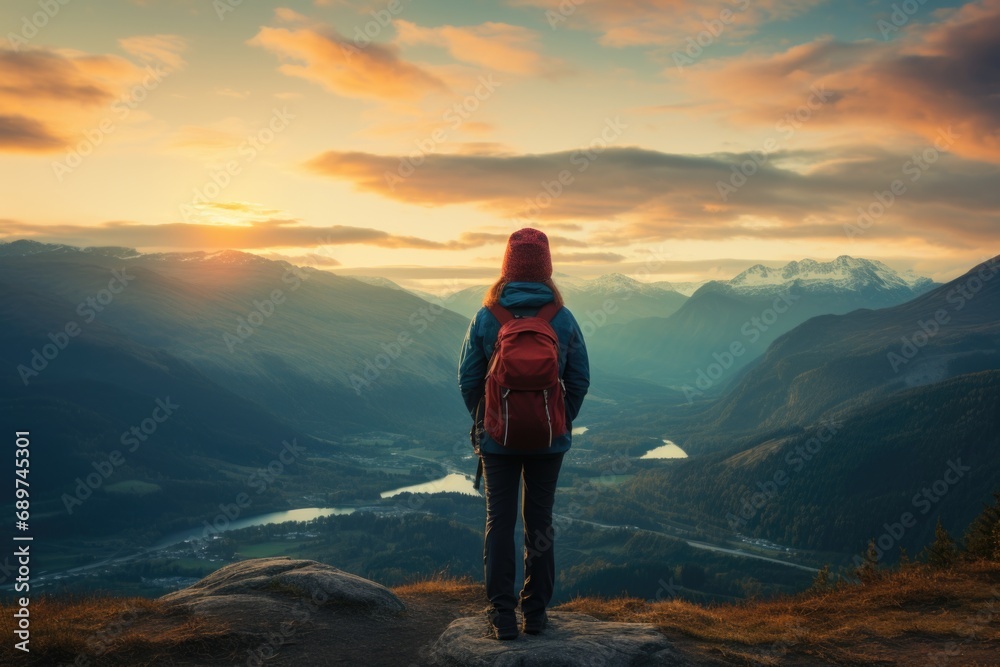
{"x":18,"y":133}
{"x":48,"y":97}
{"x":649,"y":195}
{"x":210,"y":140}
{"x":226,"y":91}
{"x":310,"y":259}
{"x":162,"y":50}
{"x":587,"y":257}
{"x":322,"y":56}
{"x":498,"y":46}
{"x":624,"y":23}
{"x":272,"y":233}
{"x":932,"y":77}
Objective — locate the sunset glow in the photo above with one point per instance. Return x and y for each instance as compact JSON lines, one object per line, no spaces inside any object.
{"x":409,"y":139}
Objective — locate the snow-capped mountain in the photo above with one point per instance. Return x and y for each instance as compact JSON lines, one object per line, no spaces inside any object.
{"x":687,"y":289}
{"x":614,"y":283}
{"x":26,"y":247}
{"x":752,"y":309}
{"x":842,"y":274}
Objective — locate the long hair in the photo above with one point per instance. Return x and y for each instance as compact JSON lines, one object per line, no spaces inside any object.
{"x":492,"y":297}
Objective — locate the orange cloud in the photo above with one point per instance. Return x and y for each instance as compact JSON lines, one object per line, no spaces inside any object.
{"x":662,"y":22}
{"x":156,"y":49}
{"x":498,"y":46}
{"x":373,"y":71}
{"x":652,"y":196}
{"x":48,"y":96}
{"x":271,"y":233}
{"x":934,"y":77}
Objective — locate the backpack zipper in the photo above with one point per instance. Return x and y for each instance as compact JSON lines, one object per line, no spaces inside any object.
{"x":506,"y":416}
{"x":545,"y":395}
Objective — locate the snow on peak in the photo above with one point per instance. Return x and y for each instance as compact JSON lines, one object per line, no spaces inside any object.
{"x":843,"y":272}
{"x":617,"y":282}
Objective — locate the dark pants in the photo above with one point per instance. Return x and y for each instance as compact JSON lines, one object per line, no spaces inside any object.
{"x":503,"y":474}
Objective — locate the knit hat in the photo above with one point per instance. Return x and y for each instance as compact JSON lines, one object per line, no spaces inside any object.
{"x":527,"y":258}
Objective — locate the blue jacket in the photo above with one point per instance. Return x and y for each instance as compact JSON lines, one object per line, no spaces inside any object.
{"x":574,"y":367}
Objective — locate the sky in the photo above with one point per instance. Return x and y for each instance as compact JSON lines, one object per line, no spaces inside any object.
{"x":671,"y":139}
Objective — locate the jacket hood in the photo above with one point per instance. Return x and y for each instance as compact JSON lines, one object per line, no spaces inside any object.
{"x":530,"y":295}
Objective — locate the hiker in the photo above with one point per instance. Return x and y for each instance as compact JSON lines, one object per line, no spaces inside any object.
{"x":523,"y":374}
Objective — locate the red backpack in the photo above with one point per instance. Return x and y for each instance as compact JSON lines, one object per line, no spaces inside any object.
{"x":525,"y":407}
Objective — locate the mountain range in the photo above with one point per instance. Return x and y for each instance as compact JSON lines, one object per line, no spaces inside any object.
{"x":850,"y":423}
{"x":613,"y":296}
{"x":725,"y":325}
{"x":257,"y":352}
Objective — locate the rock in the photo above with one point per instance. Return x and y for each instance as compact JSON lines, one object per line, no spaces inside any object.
{"x":570,"y":640}
{"x":280,"y":588}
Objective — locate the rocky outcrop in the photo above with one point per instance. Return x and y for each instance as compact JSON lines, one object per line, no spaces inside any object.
{"x":261,"y":589}
{"x":570,"y":640}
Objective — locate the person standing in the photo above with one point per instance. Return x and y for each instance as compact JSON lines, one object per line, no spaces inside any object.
{"x":523,"y":374}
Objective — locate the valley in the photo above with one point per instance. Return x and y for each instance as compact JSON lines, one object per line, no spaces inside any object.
{"x":340,"y":407}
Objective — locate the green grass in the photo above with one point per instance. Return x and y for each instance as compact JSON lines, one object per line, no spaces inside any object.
{"x":611,"y":480}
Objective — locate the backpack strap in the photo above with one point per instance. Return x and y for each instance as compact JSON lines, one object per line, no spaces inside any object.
{"x":502,"y":314}
{"x":548,"y":311}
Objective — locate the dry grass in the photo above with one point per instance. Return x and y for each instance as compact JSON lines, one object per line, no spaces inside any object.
{"x":443,"y":586}
{"x":903,"y":618}
{"x":109,"y":631}
{"x":854,"y":624}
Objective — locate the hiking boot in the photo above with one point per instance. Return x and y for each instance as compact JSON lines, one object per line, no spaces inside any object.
{"x":535,"y":623}
{"x":503,"y":624}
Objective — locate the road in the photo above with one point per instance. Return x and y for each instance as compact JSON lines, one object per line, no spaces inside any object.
{"x":696,"y":545}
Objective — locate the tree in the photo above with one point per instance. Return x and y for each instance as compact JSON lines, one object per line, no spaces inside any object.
{"x":981,"y":541}
{"x":942,"y":552}
{"x":868,"y":570}
{"x":823,"y":582}
{"x":691,"y":575}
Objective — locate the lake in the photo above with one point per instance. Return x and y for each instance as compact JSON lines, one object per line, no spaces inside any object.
{"x":450,"y":482}
{"x":668,"y":450}
{"x":302,"y":514}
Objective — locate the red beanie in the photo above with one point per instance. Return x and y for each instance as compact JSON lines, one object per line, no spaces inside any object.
{"x":527,"y":258}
